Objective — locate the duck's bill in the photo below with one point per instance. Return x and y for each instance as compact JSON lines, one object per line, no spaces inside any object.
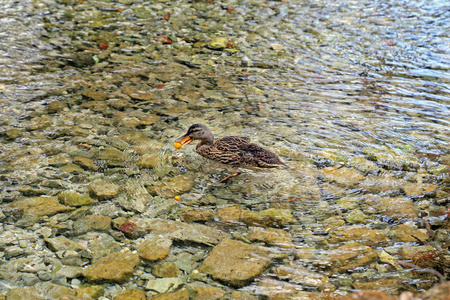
{"x":182,"y":141}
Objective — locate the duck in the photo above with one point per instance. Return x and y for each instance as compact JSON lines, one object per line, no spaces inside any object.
{"x":230,"y":150}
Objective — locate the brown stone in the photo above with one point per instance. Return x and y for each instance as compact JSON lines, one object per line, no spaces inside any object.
{"x":368,"y":237}
{"x":154,"y":247}
{"x":165,"y":269}
{"x":133,"y":294}
{"x":148,"y":161}
{"x":86,"y":163}
{"x":180,"y":295}
{"x":271,"y":236}
{"x":303,"y":276}
{"x":104,"y":190}
{"x":267,"y":217}
{"x":39,"y":206}
{"x":208,"y":293}
{"x":344,"y":176}
{"x":419,"y":189}
{"x":116,"y":267}
{"x":350,"y":256}
{"x":197,"y":215}
{"x":397,"y":208}
{"x":438,"y":292}
{"x":237,"y":263}
{"x":197,"y":233}
{"x":367,"y":295}
{"x":404,"y":233}
{"x":388,"y":286}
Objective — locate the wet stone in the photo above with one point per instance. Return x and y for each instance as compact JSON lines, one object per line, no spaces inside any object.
{"x":100,"y":245}
{"x":154,"y":247}
{"x":369,"y":237}
{"x":404,"y":233}
{"x":237,"y":263}
{"x":173,"y":186}
{"x":112,"y":157}
{"x":92,"y":223}
{"x":397,"y":208}
{"x":388,"y":286}
{"x":344,"y":176}
{"x":86,"y":163}
{"x":349,"y":256}
{"x":116,"y":267}
{"x":271,"y":236}
{"x":95,"y":94}
{"x":132,"y":294}
{"x":104,"y":190}
{"x":72,"y":198}
{"x":268,"y":217}
{"x":183,"y":231}
{"x":93,"y":291}
{"x":197,"y":215}
{"x":165,"y":269}
{"x":180,"y":295}
{"x":163,"y":285}
{"x":419,"y":189}
{"x":367,"y":295}
{"x":56,"y":106}
{"x":148,"y":161}
{"x":39,"y":206}
{"x":303,"y":276}
{"x":44,"y":275}
{"x":19,"y":293}
{"x":62,"y":243}
{"x":205,"y":292}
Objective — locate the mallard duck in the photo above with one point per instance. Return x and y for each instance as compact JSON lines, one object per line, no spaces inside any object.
{"x":230,"y":150}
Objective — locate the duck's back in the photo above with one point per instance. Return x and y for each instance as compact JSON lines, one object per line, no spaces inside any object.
{"x":236,"y":151}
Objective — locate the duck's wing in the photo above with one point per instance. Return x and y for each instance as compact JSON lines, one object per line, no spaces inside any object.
{"x":228,"y":150}
{"x":238,"y":151}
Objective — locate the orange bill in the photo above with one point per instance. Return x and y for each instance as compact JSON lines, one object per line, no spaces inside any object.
{"x":182,"y":141}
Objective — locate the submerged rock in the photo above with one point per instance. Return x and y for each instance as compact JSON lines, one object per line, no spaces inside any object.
{"x":62,"y":243}
{"x":72,"y":198}
{"x":268,"y":217}
{"x":132,"y":294}
{"x":183,"y":231}
{"x":39,"y":206}
{"x":367,"y":295}
{"x":165,"y":269}
{"x":116,"y":267}
{"x":397,"y":208}
{"x":304,"y":277}
{"x":404,"y":233}
{"x":180,"y":295}
{"x":237,"y":263}
{"x":349,"y":256}
{"x":344,"y":176}
{"x":154,"y":247}
{"x":369,"y":237}
{"x":163,"y":285}
{"x":104,"y":190}
{"x":271,"y":236}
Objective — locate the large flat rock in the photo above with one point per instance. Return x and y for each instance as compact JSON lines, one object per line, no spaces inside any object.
{"x":237,"y":263}
{"x":183,"y":231}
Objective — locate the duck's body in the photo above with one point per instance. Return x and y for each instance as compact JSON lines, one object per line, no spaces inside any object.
{"x":230,"y":150}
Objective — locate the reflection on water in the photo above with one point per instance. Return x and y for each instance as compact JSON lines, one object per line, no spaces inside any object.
{"x":355,"y":96}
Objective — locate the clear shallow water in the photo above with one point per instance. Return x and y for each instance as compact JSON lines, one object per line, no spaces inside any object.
{"x":318,"y":82}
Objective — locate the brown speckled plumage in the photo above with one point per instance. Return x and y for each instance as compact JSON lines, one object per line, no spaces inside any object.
{"x":230,"y":150}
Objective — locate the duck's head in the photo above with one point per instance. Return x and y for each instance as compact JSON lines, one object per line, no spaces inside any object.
{"x":195,"y":132}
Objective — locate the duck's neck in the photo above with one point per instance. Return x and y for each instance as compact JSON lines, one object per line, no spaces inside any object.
{"x":206,"y":142}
